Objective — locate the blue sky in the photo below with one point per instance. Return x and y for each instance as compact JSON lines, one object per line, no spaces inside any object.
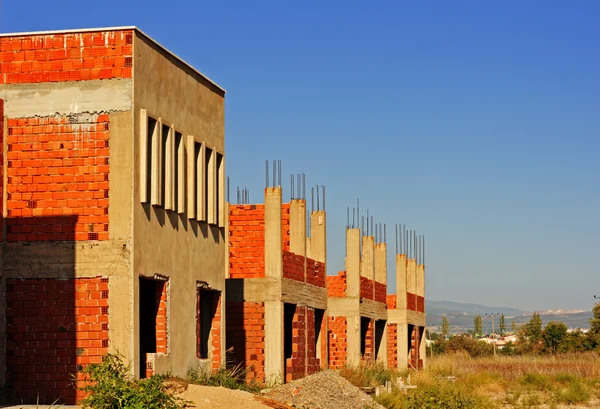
{"x":476,"y":123}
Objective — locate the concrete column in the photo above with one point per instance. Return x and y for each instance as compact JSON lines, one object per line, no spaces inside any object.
{"x":274,"y":354}
{"x":420,"y":273}
{"x":403,"y":339}
{"x":273,"y":239}
{"x":401,"y":282}
{"x":411,"y":280}
{"x":353,"y":264}
{"x":226,"y":247}
{"x":368,"y":257}
{"x":382,"y":356}
{"x":298,"y":227}
{"x":423,"y":348}
{"x":353,"y":356}
{"x":381,"y":263}
{"x":318,"y":236}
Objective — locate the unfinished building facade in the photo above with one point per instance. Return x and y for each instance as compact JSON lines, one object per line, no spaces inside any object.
{"x":113,"y":221}
{"x":276,"y":298}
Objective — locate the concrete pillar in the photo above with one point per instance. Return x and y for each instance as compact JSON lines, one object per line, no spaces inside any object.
{"x":274,"y":353}
{"x":318,"y":236}
{"x":353,"y":263}
{"x":368,"y":257}
{"x":382,"y":355}
{"x":298,"y":227}
{"x":420,"y":273}
{"x":411,"y":276}
{"x":381,"y":263}
{"x":401,"y":282}
{"x":353,"y":356}
{"x":423,"y":348}
{"x":403,"y":338}
{"x":273,"y":239}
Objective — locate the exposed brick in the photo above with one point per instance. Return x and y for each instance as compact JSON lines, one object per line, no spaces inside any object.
{"x":380,"y":292}
{"x":336,"y":285}
{"x":392,"y":345}
{"x":246,"y":241}
{"x":338,"y":347}
{"x":245,"y":335}
{"x":391,"y":302}
{"x":366,"y":288}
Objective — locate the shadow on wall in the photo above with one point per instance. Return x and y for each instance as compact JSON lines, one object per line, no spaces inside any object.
{"x":56,"y":324}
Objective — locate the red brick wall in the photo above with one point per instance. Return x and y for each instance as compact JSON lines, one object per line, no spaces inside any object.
{"x":380,"y":292}
{"x":338,"y":347}
{"x":245,"y":333}
{"x":285,"y":226}
{"x":293,"y":266}
{"x":161,"y":318}
{"x":336,"y":285}
{"x":392,"y":345}
{"x":391,"y":301}
{"x":315,"y":273}
{"x":246,"y":241}
{"x":216,"y":332}
{"x":411,"y":301}
{"x":415,"y":358}
{"x":304,"y":359}
{"x":1,"y":161}
{"x":66,"y":57}
{"x":54,"y":329}
{"x":324,"y":340}
{"x":420,"y":303}
{"x":370,"y":341}
{"x":366,"y":288}
{"x":58,"y":166}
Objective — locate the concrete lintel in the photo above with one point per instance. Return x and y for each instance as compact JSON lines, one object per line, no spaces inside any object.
{"x":253,"y":289}
{"x":381,"y":263}
{"x":63,"y":98}
{"x":298,"y":227}
{"x":64,"y":260}
{"x":273,"y":236}
{"x":343,"y":306}
{"x":353,"y":262}
{"x":406,"y":317}
{"x":295,"y":292}
{"x":373,"y":309}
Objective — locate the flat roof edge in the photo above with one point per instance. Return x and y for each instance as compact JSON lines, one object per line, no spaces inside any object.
{"x":93,"y":30}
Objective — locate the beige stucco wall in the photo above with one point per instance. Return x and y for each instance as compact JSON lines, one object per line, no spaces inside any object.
{"x":165,"y":242}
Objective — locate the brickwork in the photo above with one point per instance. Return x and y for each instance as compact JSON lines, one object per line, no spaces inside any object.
{"x":215,"y":331}
{"x":54,"y":329}
{"x":370,"y":341}
{"x":323,"y":344}
{"x":336,"y":285}
{"x":315,"y":273}
{"x":420,"y":303}
{"x":391,"y":301}
{"x":246,"y":241}
{"x":58,"y":166}
{"x":392,"y":345}
{"x":415,"y":358}
{"x":245,"y":333}
{"x":66,"y":57}
{"x":366,"y":288}
{"x":338,"y":347}
{"x":411,"y":301}
{"x":161,"y":318}
{"x":295,"y":366}
{"x":380,"y":292}
{"x":285,"y":226}
{"x":293,"y":266}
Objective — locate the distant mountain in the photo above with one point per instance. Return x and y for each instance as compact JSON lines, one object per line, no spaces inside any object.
{"x":451,"y":307}
{"x":460,"y":316}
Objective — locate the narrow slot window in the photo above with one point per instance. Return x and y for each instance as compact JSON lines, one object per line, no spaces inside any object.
{"x":147,"y":169}
{"x":179,"y":178}
{"x":211,"y":188}
{"x":220,"y":190}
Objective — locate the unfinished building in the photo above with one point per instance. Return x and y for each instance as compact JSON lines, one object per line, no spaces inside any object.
{"x":113,"y":233}
{"x":357,"y":323}
{"x":276,"y":297}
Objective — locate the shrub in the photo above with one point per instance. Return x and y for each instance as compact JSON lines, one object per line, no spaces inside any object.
{"x":576,"y":392}
{"x":469,"y":345}
{"x":231,"y":378}
{"x":110,"y":387}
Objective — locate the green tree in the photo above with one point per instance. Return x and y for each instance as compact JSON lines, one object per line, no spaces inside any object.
{"x":513,"y":326}
{"x":595,"y":322}
{"x":502,"y":324}
{"x":533,"y":329}
{"x":553,"y":335}
{"x":477,"y":325}
{"x":445,"y":327}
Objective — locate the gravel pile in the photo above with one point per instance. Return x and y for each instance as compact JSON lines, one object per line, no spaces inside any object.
{"x":323,"y":390}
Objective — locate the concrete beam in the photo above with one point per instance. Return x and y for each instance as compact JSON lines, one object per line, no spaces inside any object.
{"x":353,"y":262}
{"x":273,"y":238}
{"x":406,"y":317}
{"x":373,"y":309}
{"x":295,"y":292}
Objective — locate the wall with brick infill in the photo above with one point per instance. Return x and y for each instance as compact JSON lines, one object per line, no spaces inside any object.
{"x":411,"y":301}
{"x":366,"y":288}
{"x":285,"y":226}
{"x":392,"y":345}
{"x":338,"y":342}
{"x":391,"y":301}
{"x":245,"y":333}
{"x":304,"y":359}
{"x":54,"y":329}
{"x":315,"y":273}
{"x":380,"y":292}
{"x":336,"y":285}
{"x":66,"y":57}
{"x":293,"y":266}
{"x":246,"y":241}
{"x":58,"y":166}
{"x":420,"y":303}
{"x":370,"y":341}
{"x":215,"y":333}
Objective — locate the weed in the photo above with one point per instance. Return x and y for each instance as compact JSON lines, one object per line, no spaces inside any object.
{"x":368,"y":375}
{"x":576,"y":392}
{"x":231,"y":378}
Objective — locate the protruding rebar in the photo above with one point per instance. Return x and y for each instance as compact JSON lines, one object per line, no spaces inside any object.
{"x":279,"y":173}
{"x":228,"y":190}
{"x":323,"y":186}
{"x":266,"y":174}
{"x":303,"y":186}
